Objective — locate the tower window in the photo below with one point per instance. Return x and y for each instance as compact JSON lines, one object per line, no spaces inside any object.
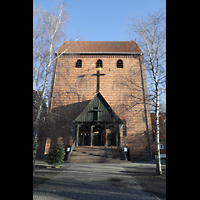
{"x":79,"y":63}
{"x":99,"y":63}
{"x":120,"y":64}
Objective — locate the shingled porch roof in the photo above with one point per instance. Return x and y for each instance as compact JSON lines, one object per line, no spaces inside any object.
{"x":106,"y":114}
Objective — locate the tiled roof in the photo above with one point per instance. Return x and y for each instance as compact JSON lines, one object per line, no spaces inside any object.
{"x":99,"y":47}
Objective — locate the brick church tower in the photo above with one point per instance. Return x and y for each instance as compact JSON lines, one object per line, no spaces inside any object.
{"x":97,"y":97}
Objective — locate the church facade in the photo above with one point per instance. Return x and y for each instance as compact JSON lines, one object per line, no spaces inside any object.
{"x":98,"y":97}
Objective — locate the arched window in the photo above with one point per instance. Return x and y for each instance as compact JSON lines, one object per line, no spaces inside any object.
{"x":78,"y":63}
{"x":120,"y":64}
{"x":99,"y":63}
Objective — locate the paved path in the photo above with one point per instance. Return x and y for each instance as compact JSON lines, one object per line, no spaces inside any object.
{"x":144,"y":173}
{"x":91,"y":181}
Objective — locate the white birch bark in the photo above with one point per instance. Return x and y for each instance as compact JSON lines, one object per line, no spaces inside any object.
{"x":152,"y":32}
{"x":47,"y":32}
{"x":158,"y":165}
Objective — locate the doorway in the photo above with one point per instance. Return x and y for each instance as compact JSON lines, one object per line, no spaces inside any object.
{"x":84,"y":136}
{"x":98,"y":136}
{"x":111,"y":136}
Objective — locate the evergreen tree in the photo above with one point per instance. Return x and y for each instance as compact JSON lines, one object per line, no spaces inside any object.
{"x":56,"y":156}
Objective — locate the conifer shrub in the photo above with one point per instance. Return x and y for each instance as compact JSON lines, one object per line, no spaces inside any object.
{"x":56,"y":156}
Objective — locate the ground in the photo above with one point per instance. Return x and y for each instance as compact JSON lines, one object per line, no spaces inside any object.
{"x":135,"y":180}
{"x":43,"y":174}
{"x":144,"y":172}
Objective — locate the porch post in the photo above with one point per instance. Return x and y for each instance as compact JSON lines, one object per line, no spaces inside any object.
{"x":91,"y":135}
{"x":77,"y":134}
{"x":102,"y":138}
{"x":119,"y":142}
{"x":104,"y":135}
{"x":117,"y":133}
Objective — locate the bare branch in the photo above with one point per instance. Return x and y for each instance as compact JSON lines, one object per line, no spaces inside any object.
{"x":48,"y":31}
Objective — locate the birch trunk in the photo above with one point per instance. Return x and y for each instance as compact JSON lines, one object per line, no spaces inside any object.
{"x":158,"y":164}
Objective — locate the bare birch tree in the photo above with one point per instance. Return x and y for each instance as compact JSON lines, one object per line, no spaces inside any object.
{"x":151,"y":33}
{"x":48,"y":31}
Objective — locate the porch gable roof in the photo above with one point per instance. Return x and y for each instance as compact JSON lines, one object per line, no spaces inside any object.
{"x":98,"y":110}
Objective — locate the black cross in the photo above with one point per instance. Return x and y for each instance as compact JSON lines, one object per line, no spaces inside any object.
{"x":96,"y":111}
{"x":98,"y":79}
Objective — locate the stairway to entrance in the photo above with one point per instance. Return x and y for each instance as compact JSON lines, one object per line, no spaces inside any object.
{"x":97,"y":154}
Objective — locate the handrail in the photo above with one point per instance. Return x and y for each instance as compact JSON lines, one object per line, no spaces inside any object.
{"x":72,"y":148}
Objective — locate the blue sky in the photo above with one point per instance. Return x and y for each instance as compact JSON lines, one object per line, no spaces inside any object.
{"x":105,"y":20}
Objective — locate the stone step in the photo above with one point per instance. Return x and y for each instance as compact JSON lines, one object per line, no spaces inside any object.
{"x":97,"y":154}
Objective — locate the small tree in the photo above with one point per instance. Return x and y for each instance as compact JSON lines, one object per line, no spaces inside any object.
{"x":56,"y":156}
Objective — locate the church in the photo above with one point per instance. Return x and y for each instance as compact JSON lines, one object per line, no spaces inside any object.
{"x":98,"y":97}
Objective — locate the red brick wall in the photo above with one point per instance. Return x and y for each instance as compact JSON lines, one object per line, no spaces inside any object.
{"x":121,"y":88}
